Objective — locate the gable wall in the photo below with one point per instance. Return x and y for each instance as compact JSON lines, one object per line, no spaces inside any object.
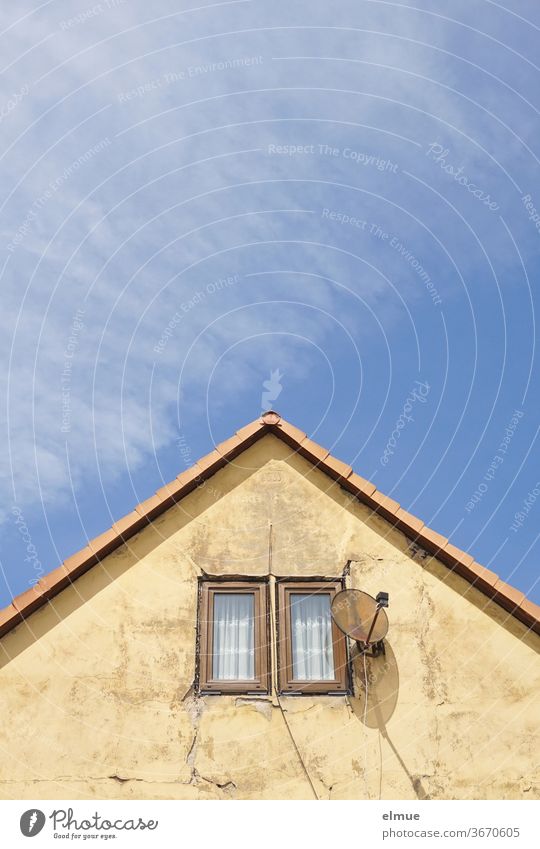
{"x":97,"y":687}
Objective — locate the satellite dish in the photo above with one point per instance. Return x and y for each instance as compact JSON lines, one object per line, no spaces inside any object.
{"x":361,"y":617}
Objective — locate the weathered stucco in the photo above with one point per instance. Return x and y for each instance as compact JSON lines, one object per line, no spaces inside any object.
{"x":97,"y":687}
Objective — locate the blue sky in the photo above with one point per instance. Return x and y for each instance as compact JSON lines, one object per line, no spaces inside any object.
{"x":196,"y":195}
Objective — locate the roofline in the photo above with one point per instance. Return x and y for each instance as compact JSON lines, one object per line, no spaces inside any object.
{"x":506,"y":596}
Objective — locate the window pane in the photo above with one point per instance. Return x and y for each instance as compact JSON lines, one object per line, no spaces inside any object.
{"x":311,"y":627}
{"x":234,"y":637}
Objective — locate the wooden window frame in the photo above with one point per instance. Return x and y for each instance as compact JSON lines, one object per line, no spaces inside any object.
{"x":261,"y":682}
{"x":340,"y":685}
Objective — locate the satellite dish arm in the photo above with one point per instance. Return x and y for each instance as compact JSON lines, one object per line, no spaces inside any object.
{"x":373,"y":624}
{"x":378,"y":647}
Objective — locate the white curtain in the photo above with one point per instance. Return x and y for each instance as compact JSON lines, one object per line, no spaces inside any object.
{"x":312,"y":651}
{"x":234,"y":643}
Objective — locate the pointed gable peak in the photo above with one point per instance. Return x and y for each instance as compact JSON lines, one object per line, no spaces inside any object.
{"x":271,"y":422}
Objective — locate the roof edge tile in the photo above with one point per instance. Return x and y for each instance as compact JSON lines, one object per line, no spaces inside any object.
{"x":9,"y":619}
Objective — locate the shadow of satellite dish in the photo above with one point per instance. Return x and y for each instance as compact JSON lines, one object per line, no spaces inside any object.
{"x":382,"y":688}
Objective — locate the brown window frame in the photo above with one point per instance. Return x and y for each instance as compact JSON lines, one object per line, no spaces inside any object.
{"x":340,"y":685}
{"x":261,"y":682}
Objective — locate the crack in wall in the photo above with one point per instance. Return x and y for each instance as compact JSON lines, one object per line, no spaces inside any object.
{"x":117,"y":778}
{"x":195,"y":707}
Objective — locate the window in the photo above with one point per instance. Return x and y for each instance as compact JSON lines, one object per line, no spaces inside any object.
{"x":233,"y":637}
{"x":312,"y":650}
{"x":234,"y":643}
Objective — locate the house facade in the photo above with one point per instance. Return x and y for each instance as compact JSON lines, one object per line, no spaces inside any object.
{"x":189,"y":652}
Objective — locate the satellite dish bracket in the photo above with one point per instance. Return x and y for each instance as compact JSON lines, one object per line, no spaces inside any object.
{"x":377,"y":648}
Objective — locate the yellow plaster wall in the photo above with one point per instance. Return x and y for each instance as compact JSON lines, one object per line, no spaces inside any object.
{"x":96,"y":688}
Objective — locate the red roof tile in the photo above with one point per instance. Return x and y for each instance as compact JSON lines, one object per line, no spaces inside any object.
{"x":408,"y":523}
